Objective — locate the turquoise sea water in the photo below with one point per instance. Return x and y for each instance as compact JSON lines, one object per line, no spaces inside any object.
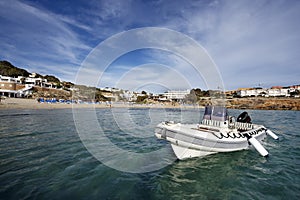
{"x":42,"y":157}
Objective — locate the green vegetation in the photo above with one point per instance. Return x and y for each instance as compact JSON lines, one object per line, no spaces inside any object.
{"x":100,"y":97}
{"x":195,"y":95}
{"x":295,"y":93}
{"x":7,"y":69}
{"x":141,"y":99}
{"x":51,"y":78}
{"x":67,"y":85}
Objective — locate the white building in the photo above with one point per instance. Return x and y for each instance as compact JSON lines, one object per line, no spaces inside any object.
{"x":251,"y":92}
{"x":176,"y":95}
{"x":276,"y":92}
{"x":9,"y":79}
{"x":273,"y":92}
{"x":129,"y":95}
{"x":21,"y":86}
{"x":12,"y":87}
{"x":111,"y":89}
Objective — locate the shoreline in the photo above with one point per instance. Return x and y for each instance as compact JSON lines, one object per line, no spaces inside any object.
{"x":23,"y":104}
{"x":237,"y":103}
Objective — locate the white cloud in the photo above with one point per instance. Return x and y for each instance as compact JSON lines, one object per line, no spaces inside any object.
{"x":251,"y":41}
{"x":34,"y":36}
{"x":179,"y":52}
{"x":152,"y":74}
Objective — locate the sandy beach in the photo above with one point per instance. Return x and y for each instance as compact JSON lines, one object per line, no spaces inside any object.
{"x":238,"y":103}
{"x":19,"y":103}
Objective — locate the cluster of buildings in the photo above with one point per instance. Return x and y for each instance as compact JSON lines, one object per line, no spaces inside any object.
{"x":119,"y":94}
{"x":22,"y":86}
{"x":276,"y":91}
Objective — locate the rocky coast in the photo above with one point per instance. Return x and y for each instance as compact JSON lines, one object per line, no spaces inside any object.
{"x":261,"y":103}
{"x":258,"y":103}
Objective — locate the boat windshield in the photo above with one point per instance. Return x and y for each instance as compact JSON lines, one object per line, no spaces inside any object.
{"x":217,"y":113}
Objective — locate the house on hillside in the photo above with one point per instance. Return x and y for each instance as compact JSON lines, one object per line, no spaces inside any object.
{"x":275,"y":91}
{"x":22,"y":86}
{"x":251,"y":92}
{"x":12,"y":87}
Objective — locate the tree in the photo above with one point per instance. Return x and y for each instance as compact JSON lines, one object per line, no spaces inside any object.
{"x":51,"y":78}
{"x":191,"y":98}
{"x":296,"y":92}
{"x":200,"y":93}
{"x":22,"y":80}
{"x":100,"y":97}
{"x":141,"y":99}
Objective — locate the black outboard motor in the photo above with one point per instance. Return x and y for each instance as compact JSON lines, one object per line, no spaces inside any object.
{"x":244,"y":117}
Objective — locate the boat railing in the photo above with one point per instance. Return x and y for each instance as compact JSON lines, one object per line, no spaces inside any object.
{"x":212,"y":122}
{"x":233,"y":125}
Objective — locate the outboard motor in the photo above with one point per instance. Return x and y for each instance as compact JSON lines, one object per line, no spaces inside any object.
{"x":244,"y":117}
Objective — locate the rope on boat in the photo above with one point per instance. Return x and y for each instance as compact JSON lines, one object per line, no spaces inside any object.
{"x":236,"y":135}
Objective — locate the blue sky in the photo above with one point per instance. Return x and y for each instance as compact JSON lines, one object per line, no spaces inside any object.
{"x":251,"y":42}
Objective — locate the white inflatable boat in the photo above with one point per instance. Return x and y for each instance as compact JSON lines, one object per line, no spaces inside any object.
{"x":217,"y":132}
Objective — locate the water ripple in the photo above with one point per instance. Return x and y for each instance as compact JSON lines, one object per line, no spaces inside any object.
{"x":42,"y":157}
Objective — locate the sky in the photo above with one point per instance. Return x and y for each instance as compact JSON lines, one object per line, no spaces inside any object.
{"x":250,"y":43}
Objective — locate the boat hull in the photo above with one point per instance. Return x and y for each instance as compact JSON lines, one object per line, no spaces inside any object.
{"x":189,"y":140}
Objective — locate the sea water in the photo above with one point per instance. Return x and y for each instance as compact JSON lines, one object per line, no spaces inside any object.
{"x":43,"y":156}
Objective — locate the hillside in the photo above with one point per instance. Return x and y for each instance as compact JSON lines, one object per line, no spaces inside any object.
{"x":81,"y":91}
{"x":7,"y":69}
